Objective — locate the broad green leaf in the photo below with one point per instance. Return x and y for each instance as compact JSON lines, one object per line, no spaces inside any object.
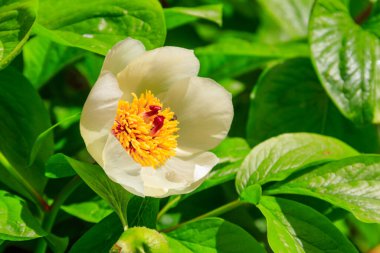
{"x":294,"y":227}
{"x":57,"y":244}
{"x":45,"y":135}
{"x":290,"y":92}
{"x":178,"y":16}
{"x":98,"y":181}
{"x":44,"y":58}
{"x":352,"y":183}
{"x":93,"y":210}
{"x":16,"y":221}
{"x":100,"y":237}
{"x":142,"y":212}
{"x":16,"y":20}
{"x":96,"y":25}
{"x":279,"y":157}
{"x":347,"y":59}
{"x":231,"y":150}
{"x":233,"y":86}
{"x":90,"y":67}
{"x":58,"y":167}
{"x":232,"y":57}
{"x":286,"y":17}
{"x":367,"y":235}
{"x":24,"y":119}
{"x":213,"y":235}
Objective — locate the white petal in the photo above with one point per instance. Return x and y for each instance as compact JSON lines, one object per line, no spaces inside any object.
{"x":204,"y":111}
{"x":98,"y":114}
{"x":178,"y":175}
{"x":121,"y":168}
{"x":122,"y":54}
{"x":158,"y":69}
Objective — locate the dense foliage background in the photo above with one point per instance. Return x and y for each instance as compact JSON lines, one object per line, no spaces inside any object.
{"x":293,"y":67}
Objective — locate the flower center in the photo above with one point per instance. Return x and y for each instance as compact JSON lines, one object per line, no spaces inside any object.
{"x":146,"y":130}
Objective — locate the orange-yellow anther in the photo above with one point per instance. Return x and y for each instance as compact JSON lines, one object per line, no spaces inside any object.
{"x":146,"y":130}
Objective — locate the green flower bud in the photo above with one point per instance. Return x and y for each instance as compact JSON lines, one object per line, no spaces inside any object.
{"x":141,"y":240}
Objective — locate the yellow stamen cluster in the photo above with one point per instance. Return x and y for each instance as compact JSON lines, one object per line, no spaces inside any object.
{"x":146,"y":130}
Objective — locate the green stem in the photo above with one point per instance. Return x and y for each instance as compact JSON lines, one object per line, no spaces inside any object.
{"x":216,"y":212}
{"x":50,"y":217}
{"x":168,"y":206}
{"x":29,"y":188}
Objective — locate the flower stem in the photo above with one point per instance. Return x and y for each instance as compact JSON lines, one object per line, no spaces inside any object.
{"x":216,"y":212}
{"x":49,"y":218}
{"x":168,"y":206}
{"x":28,"y":187}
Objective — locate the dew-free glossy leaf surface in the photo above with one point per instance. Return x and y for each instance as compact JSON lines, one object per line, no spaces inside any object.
{"x":97,"y":25}
{"x":24,"y":117}
{"x":352,"y":183}
{"x":213,"y":235}
{"x":347,"y":59}
{"x":296,"y":228}
{"x":16,"y":221}
{"x":178,"y":16}
{"x":100,"y":237}
{"x":278,"y":157}
{"x":289,"y":98}
{"x":44,"y":58}
{"x":98,"y":181}
{"x":232,"y":57}
{"x":16,"y":20}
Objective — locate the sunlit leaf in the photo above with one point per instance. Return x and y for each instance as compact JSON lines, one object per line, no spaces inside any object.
{"x":352,"y":183}
{"x":279,"y":157}
{"x":293,"y":227}
{"x":346,"y":57}
{"x":16,"y":20}
{"x":97,"y":25}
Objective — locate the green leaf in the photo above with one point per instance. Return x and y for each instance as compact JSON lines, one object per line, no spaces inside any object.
{"x":213,"y":235}
{"x":142,"y":212}
{"x":57,"y":244}
{"x":45,"y":135}
{"x":279,"y":157}
{"x":90,"y":67}
{"x":286,"y":16}
{"x":231,"y":150}
{"x":306,"y":99}
{"x":16,"y":221}
{"x":346,"y":59}
{"x":294,"y":227}
{"x":98,"y":181}
{"x":26,"y":118}
{"x":178,"y":16}
{"x":373,"y":25}
{"x":93,"y":210}
{"x":16,"y":19}
{"x":232,"y":57}
{"x":58,"y":167}
{"x":96,"y":25}
{"x":352,"y":183}
{"x":100,"y":237}
{"x":43,"y":59}
{"x":233,"y":86}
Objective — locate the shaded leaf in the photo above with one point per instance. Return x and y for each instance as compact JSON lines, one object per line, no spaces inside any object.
{"x":213,"y":235}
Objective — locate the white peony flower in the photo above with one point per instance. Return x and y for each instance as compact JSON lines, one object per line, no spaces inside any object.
{"x":149,"y":120}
